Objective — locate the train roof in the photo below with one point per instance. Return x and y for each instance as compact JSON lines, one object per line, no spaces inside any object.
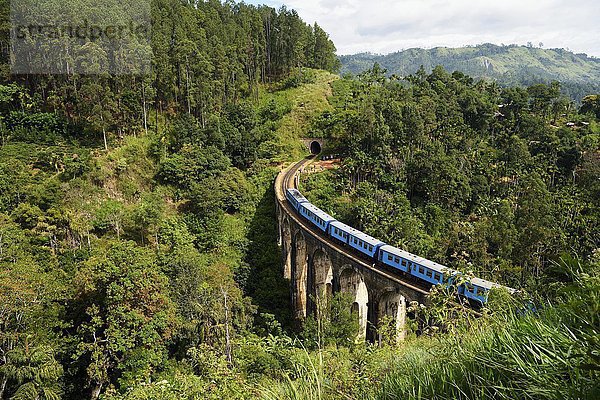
{"x":489,"y":285}
{"x":400,"y":253}
{"x":419,"y":260}
{"x":318,"y":212}
{"x":297,"y":195}
{"x":357,"y":234}
{"x":434,"y":266}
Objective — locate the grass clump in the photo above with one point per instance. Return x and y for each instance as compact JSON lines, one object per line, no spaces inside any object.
{"x":552,"y":354}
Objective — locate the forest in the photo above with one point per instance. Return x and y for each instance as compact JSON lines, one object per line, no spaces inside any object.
{"x":138,"y":239}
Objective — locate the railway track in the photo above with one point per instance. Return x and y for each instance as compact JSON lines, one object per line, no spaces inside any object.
{"x":285,"y":180}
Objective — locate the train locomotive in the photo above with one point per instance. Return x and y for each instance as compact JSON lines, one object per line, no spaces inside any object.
{"x":475,"y":290}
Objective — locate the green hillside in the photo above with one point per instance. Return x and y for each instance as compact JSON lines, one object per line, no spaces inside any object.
{"x":509,"y":65}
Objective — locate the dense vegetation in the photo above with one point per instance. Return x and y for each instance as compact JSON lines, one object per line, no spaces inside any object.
{"x":502,"y":183}
{"x":497,"y":181}
{"x":129,"y":204}
{"x":508,"y":65}
{"x":138,"y":253}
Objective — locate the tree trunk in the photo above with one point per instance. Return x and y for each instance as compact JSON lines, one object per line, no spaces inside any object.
{"x":227,"y":337}
{"x":96,"y":391}
{"x":104,"y":132}
{"x":3,"y":386}
{"x":144,"y":108}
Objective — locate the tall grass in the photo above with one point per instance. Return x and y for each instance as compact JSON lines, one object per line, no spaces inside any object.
{"x":310,"y":386}
{"x":551,"y":355}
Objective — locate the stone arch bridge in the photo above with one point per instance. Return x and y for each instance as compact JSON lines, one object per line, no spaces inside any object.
{"x":317,"y":267}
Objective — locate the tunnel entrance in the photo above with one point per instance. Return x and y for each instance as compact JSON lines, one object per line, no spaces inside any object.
{"x":315,"y":147}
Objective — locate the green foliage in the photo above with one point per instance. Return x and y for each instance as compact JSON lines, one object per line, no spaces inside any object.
{"x":334,"y":323}
{"x":462,"y":172}
{"x":545,"y":356}
{"x":28,"y":319}
{"x":591,"y":104}
{"x":191,"y":165}
{"x":125,"y":315}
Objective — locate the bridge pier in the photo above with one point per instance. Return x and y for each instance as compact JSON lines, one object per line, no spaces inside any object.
{"x":392,"y":315}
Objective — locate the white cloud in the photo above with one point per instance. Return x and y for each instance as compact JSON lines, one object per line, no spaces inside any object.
{"x":384,"y":26}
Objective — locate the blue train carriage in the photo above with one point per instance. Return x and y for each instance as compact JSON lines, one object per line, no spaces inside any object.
{"x":354,"y":238}
{"x":295,"y":198}
{"x":396,"y":258}
{"x":430,"y":271}
{"x":315,"y":215}
{"x":339,"y":231}
{"x":478,"y":289}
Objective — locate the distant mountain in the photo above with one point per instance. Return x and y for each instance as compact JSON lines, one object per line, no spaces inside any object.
{"x":509,"y":65}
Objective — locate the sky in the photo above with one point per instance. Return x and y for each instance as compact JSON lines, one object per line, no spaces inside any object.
{"x":385,"y":26}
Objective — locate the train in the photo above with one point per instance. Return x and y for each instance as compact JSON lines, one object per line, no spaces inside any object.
{"x":379,"y":253}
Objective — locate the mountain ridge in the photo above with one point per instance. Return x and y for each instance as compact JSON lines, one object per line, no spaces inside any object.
{"x":509,"y":65}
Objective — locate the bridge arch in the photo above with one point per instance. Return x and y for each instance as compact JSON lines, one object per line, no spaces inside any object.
{"x":352,"y":282}
{"x":286,"y":233}
{"x":392,"y":312}
{"x":299,"y":272}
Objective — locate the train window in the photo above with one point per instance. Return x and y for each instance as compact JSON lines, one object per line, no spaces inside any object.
{"x":389,"y":257}
{"x":404,"y":262}
{"x":396,"y":260}
{"x":429,"y":273}
{"x":436,"y":277}
{"x":421,"y":270}
{"x":370,"y":248}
